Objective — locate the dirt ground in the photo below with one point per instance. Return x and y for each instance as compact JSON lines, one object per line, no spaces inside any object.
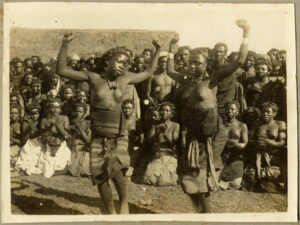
{"x":67,"y":195}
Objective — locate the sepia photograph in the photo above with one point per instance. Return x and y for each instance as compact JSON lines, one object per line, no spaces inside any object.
{"x":149,"y":112}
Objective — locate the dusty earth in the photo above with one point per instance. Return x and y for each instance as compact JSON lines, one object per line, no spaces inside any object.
{"x":67,"y":195}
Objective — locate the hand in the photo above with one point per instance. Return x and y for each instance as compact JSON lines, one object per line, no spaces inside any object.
{"x":232,"y":144}
{"x":156,"y":44}
{"x":173,"y":48}
{"x":68,"y":37}
{"x":242,"y":24}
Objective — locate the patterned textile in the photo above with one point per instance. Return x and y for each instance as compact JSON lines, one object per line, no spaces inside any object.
{"x":106,"y":153}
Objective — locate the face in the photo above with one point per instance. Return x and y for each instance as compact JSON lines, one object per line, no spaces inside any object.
{"x":118,"y":65}
{"x":28,"y":79}
{"x":55,"y":108}
{"x":220,"y":53}
{"x":34,"y":114}
{"x":127,"y":109}
{"x":34,"y":60}
{"x":273,"y":55}
{"x":54,"y":79}
{"x":19,"y":68}
{"x":79,"y":112}
{"x":14,"y":114}
{"x":14,"y":100}
{"x":68,"y":93}
{"x":147,"y":56}
{"x":165,"y":112}
{"x":39,"y":70}
{"x":268,"y":114}
{"x":282,"y":57}
{"x":162,"y":63}
{"x":36,"y":88}
{"x":155,"y":115}
{"x":231,"y":111}
{"x":28,"y":63}
{"x":262,"y":70}
{"x":197,"y":65}
{"x":184,"y":55}
{"x":140,"y":63}
{"x":250,"y":61}
{"x":81,"y":96}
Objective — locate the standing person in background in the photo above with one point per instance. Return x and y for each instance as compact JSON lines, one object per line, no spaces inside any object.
{"x":160,"y":86}
{"x":109,"y":155}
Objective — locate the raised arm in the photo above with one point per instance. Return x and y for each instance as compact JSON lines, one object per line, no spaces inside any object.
{"x":173,"y":48}
{"x":134,"y":78}
{"x":230,"y":68}
{"x":61,"y":67}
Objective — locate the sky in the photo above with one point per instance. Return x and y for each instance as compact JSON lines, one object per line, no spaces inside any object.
{"x":199,"y":25}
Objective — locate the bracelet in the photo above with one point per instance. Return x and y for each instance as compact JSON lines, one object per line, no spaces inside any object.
{"x":171,"y":56}
{"x":245,"y":40}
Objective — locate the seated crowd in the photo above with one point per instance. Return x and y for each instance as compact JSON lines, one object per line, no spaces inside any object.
{"x":51,"y":130}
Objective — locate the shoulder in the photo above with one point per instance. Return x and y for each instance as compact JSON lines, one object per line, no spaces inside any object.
{"x":175,"y":125}
{"x":243,"y":125}
{"x":281,"y":124}
{"x":62,"y":118}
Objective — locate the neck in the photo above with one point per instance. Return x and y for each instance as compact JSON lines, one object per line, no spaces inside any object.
{"x":231,"y":120}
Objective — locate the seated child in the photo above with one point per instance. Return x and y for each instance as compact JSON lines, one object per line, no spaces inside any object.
{"x":79,"y":144}
{"x":133,"y":128}
{"x":163,"y":165}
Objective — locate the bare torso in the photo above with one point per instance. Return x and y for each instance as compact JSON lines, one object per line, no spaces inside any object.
{"x":200,"y":95}
{"x":104,"y":97}
{"x":162,"y":86}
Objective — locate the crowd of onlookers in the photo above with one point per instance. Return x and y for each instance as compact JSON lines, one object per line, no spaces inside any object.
{"x":50,"y":118}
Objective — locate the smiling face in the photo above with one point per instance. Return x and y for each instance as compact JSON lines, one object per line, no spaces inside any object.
{"x":140,"y":64}
{"x":262,"y":70}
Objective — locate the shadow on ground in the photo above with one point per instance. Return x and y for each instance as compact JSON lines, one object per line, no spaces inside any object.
{"x":39,"y":206}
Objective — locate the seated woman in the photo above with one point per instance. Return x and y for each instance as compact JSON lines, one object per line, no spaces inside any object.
{"x":31,"y":143}
{"x":54,"y":133}
{"x":237,"y":139}
{"x":269,"y":137}
{"x":162,"y":168}
{"x":15,"y":133}
{"x":81,"y":137}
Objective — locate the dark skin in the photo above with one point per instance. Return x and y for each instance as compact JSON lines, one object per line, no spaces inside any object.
{"x":202,"y":91}
{"x":101,"y":96}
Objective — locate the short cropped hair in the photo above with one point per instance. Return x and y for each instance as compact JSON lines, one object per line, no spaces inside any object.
{"x":127,"y":101}
{"x":170,"y":104}
{"x":82,"y":105}
{"x":233,"y":102}
{"x":271,"y":105}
